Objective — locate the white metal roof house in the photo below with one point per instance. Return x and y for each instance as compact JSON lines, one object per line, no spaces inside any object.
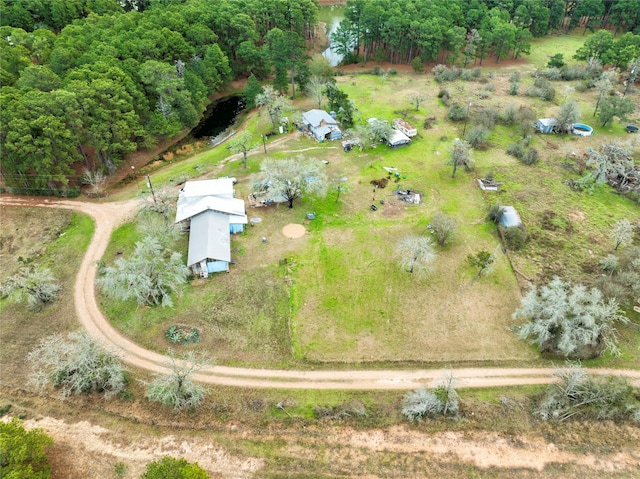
{"x":211,"y":211}
{"x":321,"y":125}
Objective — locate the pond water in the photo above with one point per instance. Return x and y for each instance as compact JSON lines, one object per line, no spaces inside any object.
{"x":331,"y":16}
{"x":219,"y":116}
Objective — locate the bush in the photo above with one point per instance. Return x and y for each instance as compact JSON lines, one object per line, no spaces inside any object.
{"x":457,"y":112}
{"x":530,"y":157}
{"x":477,"y":72}
{"x":443,"y":94}
{"x":515,"y":237}
{"x":509,"y":115}
{"x":444,"y":227}
{"x":486,"y":117}
{"x":515,"y":77}
{"x":553,"y":74}
{"x":466,"y":74}
{"x":75,"y":364}
{"x":377,"y":70}
{"x":582,"y":86}
{"x":170,"y":468}
{"x":516,"y":150}
{"x":556,"y":61}
{"x":392,"y":71}
{"x":421,"y":403}
{"x":495,"y":212}
{"x":442,"y":73}
{"x":417,"y":65}
{"x":353,"y":408}
{"x":35,"y":284}
{"x":477,"y":136}
{"x":514,"y":88}
{"x":582,"y":396}
{"x":489,"y":87}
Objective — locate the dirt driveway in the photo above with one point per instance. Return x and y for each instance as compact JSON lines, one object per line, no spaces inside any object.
{"x":108,"y":215}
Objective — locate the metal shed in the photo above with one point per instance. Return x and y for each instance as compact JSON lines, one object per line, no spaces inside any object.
{"x":546,"y":125}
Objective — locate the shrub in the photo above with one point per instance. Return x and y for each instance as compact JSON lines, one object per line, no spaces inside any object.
{"x":489,"y":87}
{"x":582,"y":86}
{"x":466,"y":74}
{"x":515,"y":237}
{"x":75,"y":364}
{"x":417,"y":65}
{"x":392,"y":71}
{"x":421,"y":403}
{"x":444,"y":227}
{"x":168,"y":467}
{"x":582,"y":396}
{"x":514,"y":77}
{"x":178,"y":390}
{"x":477,"y":136}
{"x":353,"y":408}
{"x":556,"y":61}
{"x":516,"y":150}
{"x":509,"y":115}
{"x":442,"y":73}
{"x":530,"y":157}
{"x":457,"y":112}
{"x":477,"y":72}
{"x":35,"y":284}
{"x":514,"y":88}
{"x":377,"y":70}
{"x":178,"y":334}
{"x":495,"y":212}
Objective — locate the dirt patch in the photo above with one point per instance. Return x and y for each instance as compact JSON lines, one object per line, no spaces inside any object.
{"x":294,"y":231}
{"x":83,"y":449}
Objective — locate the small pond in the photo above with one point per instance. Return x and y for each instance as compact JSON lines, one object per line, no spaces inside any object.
{"x":219,"y":116}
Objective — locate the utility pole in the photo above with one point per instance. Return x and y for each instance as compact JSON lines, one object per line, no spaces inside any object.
{"x":152,"y":193}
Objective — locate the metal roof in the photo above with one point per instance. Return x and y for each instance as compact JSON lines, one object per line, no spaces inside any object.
{"x":510,"y":217}
{"x":315,"y":118}
{"x":215,"y":187}
{"x":398,"y":138}
{"x":188,"y":208}
{"x":209,"y":238}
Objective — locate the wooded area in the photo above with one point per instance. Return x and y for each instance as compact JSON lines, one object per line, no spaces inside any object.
{"x":86,"y":82}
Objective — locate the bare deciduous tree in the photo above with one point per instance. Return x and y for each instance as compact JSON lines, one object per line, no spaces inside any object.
{"x":97,"y":182}
{"x":621,"y":233}
{"x":415,"y":254}
{"x":75,"y":364}
{"x":274,"y":103}
{"x":177,"y":390}
{"x":570,"y":320}
{"x":242,"y":143}
{"x":149,"y":276}
{"x":416,"y":99}
{"x":316,"y":87}
{"x":461,"y":156}
{"x":292,"y":178}
{"x":444,"y":227}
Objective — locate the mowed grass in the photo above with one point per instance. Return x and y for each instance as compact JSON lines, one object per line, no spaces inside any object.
{"x":339,"y":295}
{"x":56,"y":239}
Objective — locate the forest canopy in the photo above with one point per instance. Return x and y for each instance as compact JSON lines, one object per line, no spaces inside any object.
{"x":85,"y":82}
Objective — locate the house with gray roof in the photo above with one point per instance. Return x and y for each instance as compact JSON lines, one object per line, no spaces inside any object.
{"x":321,"y":125}
{"x":211,"y":213}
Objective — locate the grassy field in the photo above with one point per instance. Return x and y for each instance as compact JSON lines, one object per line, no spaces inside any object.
{"x":338,"y":295}
{"x":42,"y":236}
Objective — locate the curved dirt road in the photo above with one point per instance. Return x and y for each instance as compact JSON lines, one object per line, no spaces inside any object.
{"x":109,"y":215}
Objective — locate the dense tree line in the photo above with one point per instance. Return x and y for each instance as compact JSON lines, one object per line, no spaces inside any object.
{"x":433,"y":30}
{"x":90,"y":81}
